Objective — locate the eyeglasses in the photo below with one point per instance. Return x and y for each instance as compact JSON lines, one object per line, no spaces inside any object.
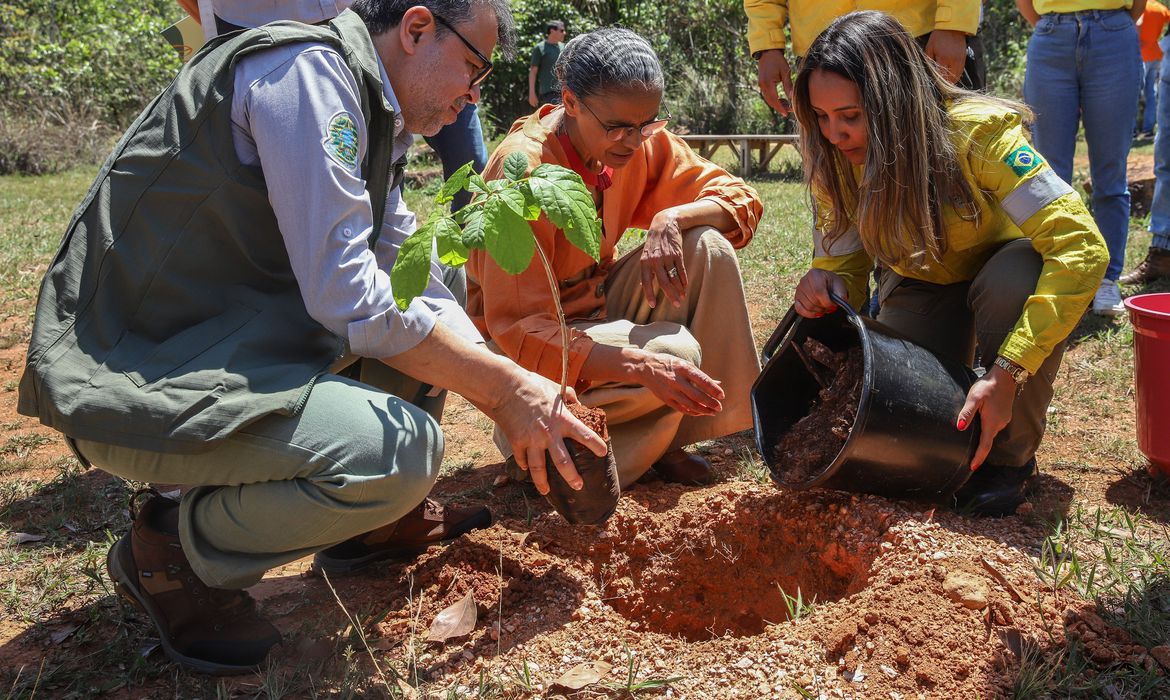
{"x":482,"y":73}
{"x":619,"y":133}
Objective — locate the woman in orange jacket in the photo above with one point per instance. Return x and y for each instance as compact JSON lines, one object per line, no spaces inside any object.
{"x":660,"y":337}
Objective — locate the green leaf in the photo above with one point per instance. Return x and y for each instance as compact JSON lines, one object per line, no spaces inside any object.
{"x":569,"y":206}
{"x":449,"y":238}
{"x":458,"y":181}
{"x":473,"y":231}
{"x":531,"y":206}
{"x":514,"y":198}
{"x":497,"y":185}
{"x":508,"y":237}
{"x":412,"y":268}
{"x":515,"y":166}
{"x":476,"y":183}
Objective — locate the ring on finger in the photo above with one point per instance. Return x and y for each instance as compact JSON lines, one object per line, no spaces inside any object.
{"x":672,"y":272}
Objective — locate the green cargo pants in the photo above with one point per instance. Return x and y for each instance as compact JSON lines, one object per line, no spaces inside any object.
{"x":955,"y":320}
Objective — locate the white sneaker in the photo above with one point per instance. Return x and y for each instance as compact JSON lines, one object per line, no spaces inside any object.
{"x":1107,"y":301}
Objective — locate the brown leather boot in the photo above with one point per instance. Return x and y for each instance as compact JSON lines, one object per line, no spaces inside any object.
{"x":1155,"y":266}
{"x":210,"y":630}
{"x":682,"y":467}
{"x":430,"y":523}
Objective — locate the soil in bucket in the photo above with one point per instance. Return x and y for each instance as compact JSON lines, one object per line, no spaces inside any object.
{"x":892,"y":433}
{"x":813,"y":442}
{"x":598,"y":498}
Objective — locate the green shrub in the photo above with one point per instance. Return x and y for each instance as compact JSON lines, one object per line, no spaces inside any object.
{"x":87,"y":57}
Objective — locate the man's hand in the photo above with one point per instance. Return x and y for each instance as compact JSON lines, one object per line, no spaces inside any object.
{"x":948,"y":48}
{"x":534,"y":420}
{"x":992,"y":398}
{"x":680,"y":384}
{"x":524,"y":404}
{"x":812,"y":293}
{"x":773,"y":69}
{"x":662,"y":260}
{"x":532,"y":100}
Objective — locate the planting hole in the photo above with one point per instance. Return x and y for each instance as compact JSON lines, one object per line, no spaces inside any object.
{"x":733,"y":568}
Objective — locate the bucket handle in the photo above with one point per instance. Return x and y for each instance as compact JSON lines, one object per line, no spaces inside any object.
{"x":782,"y":331}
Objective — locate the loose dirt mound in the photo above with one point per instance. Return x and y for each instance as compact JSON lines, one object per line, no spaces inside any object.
{"x":689,"y":583}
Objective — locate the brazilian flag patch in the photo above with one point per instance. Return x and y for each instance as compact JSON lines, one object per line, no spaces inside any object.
{"x":341,"y":140}
{"x":1023,"y":160}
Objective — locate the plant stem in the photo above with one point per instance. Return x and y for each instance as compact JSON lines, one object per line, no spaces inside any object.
{"x":556,"y":297}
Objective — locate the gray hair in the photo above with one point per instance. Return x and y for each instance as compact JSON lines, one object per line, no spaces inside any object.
{"x":607,"y":60}
{"x":383,"y":15}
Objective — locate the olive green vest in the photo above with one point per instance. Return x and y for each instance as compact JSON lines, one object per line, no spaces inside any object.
{"x":170,"y":316}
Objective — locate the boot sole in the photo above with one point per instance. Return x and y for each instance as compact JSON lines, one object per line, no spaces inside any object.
{"x":123,"y":572}
{"x":345,"y":567}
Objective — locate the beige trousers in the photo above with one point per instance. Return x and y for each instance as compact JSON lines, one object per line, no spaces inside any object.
{"x":710,"y":329}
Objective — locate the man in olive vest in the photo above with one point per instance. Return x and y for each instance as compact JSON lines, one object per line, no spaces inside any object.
{"x":230,"y":259}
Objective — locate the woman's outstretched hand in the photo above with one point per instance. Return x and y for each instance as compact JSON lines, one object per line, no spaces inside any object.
{"x":681,"y":385}
{"x":991,"y":397}
{"x":812,"y":293}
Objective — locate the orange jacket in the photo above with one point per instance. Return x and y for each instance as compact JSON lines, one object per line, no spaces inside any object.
{"x":517,"y":311}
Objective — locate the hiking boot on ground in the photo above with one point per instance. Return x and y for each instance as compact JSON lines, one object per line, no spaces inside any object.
{"x":1154,"y":267}
{"x":209,"y":630}
{"x":430,"y":523}
{"x":1107,"y":301}
{"x":995,"y":490}
{"x":682,"y":467}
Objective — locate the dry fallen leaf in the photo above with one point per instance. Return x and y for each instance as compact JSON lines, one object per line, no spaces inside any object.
{"x":24,"y":538}
{"x":583,"y":674}
{"x":59,"y":635}
{"x":455,"y":621}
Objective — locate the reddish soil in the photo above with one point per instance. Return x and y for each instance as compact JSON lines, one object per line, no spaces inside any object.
{"x":593,"y":418}
{"x":690,"y":583}
{"x":813,"y":442}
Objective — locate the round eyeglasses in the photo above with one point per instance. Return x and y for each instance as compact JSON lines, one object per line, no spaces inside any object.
{"x":619,"y":133}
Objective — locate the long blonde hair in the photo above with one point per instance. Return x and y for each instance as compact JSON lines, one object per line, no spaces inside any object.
{"x":912,"y":169}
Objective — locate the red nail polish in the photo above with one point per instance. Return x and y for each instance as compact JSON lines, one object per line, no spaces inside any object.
{"x":962,"y":424}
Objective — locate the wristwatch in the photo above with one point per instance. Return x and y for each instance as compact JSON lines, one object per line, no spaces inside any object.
{"x":1019,"y":374}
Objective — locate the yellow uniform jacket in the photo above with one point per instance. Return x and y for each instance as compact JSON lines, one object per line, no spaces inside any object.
{"x":1019,"y":196}
{"x":808,"y":18}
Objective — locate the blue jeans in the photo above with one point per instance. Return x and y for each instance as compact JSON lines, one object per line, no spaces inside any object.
{"x":1085,"y":67}
{"x":460,"y":143}
{"x":1160,"y":205}
{"x":1149,"y":94}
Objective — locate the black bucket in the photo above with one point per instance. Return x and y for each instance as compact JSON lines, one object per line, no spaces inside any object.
{"x":903,"y":442}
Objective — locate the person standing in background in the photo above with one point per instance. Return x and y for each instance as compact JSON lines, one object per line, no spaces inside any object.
{"x":542,"y":82}
{"x":1084,"y":68}
{"x":1156,"y":264}
{"x":1151,"y":27}
{"x":944,"y":28}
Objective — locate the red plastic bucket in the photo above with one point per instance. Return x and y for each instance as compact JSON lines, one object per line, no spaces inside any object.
{"x":1150,"y":316}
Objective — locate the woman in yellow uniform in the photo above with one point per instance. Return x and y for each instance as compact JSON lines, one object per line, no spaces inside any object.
{"x":988,"y":256}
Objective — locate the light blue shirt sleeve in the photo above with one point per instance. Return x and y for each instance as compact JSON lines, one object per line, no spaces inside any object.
{"x":291,"y":105}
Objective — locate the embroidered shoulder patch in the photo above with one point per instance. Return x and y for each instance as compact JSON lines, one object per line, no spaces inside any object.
{"x":1023,"y":160}
{"x":341,"y":140}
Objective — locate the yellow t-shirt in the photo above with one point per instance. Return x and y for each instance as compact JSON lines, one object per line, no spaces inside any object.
{"x":1045,"y":7}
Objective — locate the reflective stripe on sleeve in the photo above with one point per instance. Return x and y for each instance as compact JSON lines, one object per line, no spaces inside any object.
{"x":1033,"y":195}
